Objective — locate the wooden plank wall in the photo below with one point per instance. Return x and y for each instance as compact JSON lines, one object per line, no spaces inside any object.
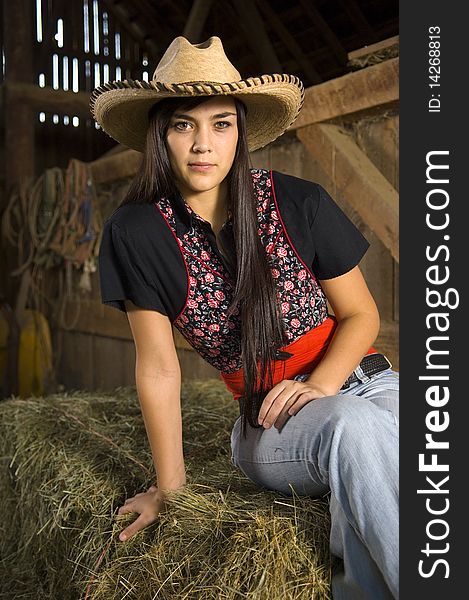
{"x":98,"y":353}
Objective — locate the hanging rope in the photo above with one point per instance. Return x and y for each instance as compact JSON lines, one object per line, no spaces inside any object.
{"x":55,"y":222}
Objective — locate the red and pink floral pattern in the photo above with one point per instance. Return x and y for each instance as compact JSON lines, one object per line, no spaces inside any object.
{"x":203,"y":321}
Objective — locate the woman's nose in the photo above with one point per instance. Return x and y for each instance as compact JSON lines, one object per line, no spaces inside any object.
{"x":201,"y":141}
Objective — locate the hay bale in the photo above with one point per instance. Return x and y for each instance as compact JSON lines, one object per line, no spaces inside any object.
{"x":69,"y":461}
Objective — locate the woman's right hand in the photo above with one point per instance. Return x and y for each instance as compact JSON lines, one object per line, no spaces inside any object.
{"x":148,"y":504}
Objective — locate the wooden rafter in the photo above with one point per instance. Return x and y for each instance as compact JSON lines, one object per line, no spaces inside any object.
{"x":196,"y":21}
{"x":253,"y":28}
{"x":358,"y":19}
{"x":326,"y":32}
{"x":289,"y":41}
{"x":361,"y":90}
{"x":47,"y":99}
{"x":357,"y":180}
{"x":372,"y":48}
{"x":322,"y":55}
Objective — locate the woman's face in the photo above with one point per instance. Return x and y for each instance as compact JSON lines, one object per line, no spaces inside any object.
{"x":201,"y":145}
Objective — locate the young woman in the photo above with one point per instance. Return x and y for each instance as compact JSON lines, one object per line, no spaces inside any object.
{"x":243,"y":261}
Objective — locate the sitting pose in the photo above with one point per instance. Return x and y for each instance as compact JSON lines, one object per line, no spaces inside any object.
{"x":243,"y":262}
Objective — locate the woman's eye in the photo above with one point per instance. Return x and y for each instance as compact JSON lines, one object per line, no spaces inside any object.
{"x":223,"y":124}
{"x":181,"y":125}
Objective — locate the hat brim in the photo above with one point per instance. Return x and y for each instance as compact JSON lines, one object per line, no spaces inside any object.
{"x":273,"y":102}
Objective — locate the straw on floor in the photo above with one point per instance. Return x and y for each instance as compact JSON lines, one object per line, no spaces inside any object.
{"x":70,"y":460}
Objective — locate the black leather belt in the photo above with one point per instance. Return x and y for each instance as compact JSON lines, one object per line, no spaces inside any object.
{"x":370,"y":365}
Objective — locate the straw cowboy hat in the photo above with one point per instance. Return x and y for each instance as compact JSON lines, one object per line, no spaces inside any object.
{"x":273,"y":101}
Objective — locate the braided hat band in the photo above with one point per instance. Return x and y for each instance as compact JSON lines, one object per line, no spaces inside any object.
{"x":273,"y":101}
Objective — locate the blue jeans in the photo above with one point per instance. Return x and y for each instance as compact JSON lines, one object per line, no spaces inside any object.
{"x":347,"y":444}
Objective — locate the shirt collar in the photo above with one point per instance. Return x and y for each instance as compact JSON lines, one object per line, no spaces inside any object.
{"x":186,"y":215}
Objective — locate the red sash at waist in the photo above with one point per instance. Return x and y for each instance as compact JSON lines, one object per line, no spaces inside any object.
{"x":307,"y":352}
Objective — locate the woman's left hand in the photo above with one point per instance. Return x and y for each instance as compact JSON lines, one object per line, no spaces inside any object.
{"x":285,"y":399}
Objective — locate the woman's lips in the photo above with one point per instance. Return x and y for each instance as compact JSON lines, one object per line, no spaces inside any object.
{"x":201,"y":167}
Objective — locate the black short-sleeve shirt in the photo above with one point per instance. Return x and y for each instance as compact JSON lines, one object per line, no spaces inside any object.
{"x":163,"y":256}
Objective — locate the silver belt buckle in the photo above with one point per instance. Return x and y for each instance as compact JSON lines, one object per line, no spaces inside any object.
{"x":387,"y":360}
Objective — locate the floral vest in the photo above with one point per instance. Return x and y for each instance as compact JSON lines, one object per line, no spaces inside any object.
{"x":203,"y":321}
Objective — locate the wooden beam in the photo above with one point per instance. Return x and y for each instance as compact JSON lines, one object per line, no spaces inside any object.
{"x":196,"y":21}
{"x":362,"y":90}
{"x":252,"y":26}
{"x":95,"y":318}
{"x":326,"y":32}
{"x":317,"y":56}
{"x":116,"y":166}
{"x":357,"y":180}
{"x":101,"y":59}
{"x":47,"y":99}
{"x":289,"y":41}
{"x":19,"y":119}
{"x":388,"y":43}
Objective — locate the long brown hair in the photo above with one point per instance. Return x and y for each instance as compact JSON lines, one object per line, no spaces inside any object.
{"x":255,"y":294}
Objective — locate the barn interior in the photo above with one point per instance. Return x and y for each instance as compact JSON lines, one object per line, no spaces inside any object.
{"x":61,"y":176}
